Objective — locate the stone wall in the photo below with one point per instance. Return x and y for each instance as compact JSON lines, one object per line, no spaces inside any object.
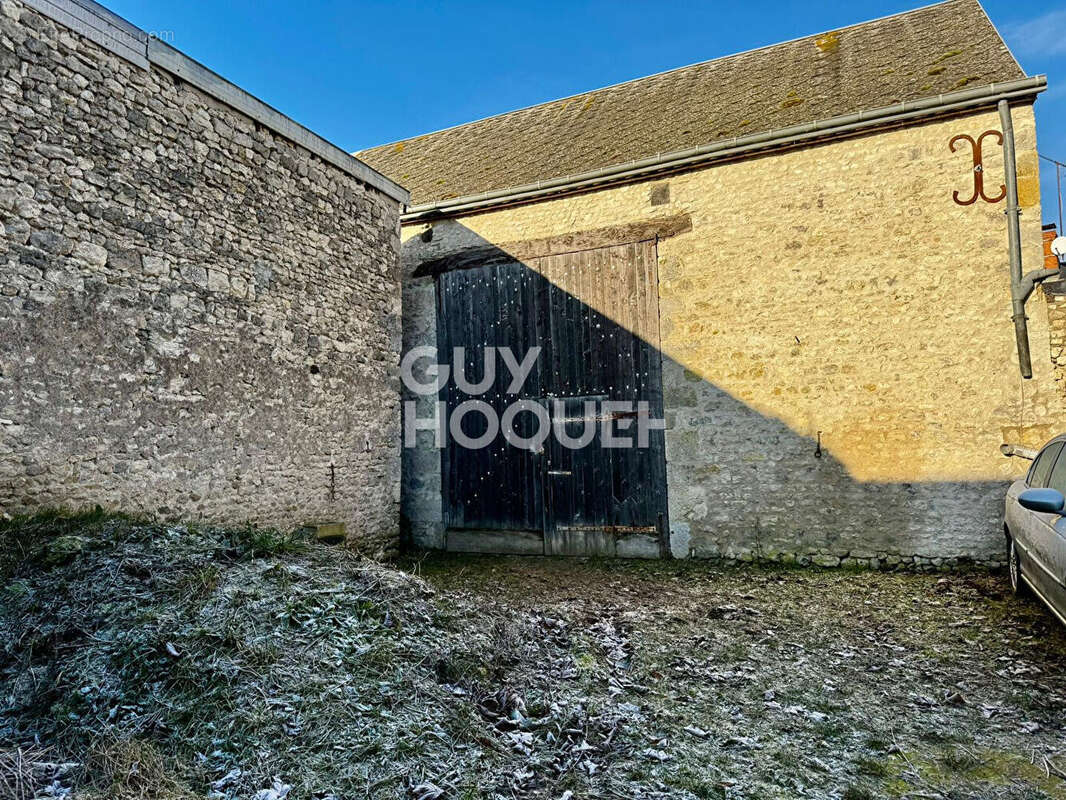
{"x":1054,"y":294}
{"x":200,"y":318}
{"x":838,"y":352}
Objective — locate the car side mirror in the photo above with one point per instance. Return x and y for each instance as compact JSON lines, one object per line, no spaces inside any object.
{"x":1046,"y":501}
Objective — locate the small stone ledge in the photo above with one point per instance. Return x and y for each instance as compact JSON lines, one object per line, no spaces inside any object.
{"x":1055,"y":289}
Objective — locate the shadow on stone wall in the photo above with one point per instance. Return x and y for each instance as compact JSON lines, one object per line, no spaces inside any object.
{"x":740,"y":484}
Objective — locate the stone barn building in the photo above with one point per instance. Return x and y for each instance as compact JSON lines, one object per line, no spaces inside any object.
{"x":199,"y":298}
{"x":799,"y":257}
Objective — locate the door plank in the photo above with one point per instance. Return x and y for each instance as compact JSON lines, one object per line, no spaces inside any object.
{"x":594,"y":313}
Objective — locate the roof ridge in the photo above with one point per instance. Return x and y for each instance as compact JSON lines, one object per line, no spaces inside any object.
{"x":674,"y":70}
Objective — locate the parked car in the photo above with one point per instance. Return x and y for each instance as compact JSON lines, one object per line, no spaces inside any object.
{"x":1034,"y":522}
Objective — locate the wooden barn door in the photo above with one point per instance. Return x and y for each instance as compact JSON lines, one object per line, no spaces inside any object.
{"x":603,"y":330}
{"x":498,"y":487}
{"x":595,"y":315}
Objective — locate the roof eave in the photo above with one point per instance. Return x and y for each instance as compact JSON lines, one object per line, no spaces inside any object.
{"x":855,"y":122}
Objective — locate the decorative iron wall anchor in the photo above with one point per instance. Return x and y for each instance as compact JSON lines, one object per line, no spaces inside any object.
{"x":978,"y":168}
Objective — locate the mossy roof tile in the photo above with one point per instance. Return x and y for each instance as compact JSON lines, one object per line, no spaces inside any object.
{"x":920,"y":53}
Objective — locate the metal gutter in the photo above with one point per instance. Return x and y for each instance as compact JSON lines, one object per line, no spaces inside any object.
{"x":844,"y":124}
{"x":119,"y":36}
{"x":1020,"y":286}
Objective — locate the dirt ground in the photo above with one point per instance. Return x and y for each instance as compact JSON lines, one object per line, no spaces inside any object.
{"x":146,"y":661}
{"x":759,"y":683}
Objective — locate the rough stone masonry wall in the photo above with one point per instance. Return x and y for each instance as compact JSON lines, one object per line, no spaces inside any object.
{"x":835,"y":295}
{"x":198,"y":318}
{"x":1054,"y":294}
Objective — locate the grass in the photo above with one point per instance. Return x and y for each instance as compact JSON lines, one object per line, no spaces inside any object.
{"x":168,"y":636}
{"x":859,"y":646}
{"x":196,"y":651}
{"x":874,"y":767}
{"x":253,"y":542}
{"x":696,"y":783}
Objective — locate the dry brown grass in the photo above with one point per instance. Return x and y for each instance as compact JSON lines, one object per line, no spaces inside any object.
{"x":25,"y":772}
{"x":132,"y":769}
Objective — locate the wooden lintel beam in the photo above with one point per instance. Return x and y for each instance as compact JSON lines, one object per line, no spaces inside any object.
{"x":508,"y":252}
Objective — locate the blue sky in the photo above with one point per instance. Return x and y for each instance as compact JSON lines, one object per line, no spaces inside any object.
{"x":366,"y":73}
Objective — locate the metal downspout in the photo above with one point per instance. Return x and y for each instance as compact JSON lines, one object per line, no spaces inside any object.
{"x":1014,"y":242}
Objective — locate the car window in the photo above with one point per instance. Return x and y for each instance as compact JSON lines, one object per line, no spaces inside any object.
{"x":1057,"y":479}
{"x":1038,"y":478}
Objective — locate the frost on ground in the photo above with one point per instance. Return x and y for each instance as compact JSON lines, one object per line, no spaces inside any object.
{"x":140,"y":660}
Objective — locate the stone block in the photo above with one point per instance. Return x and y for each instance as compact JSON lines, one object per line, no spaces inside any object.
{"x":90,"y":254}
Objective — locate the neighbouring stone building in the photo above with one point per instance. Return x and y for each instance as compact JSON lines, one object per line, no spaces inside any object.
{"x":788,"y":230}
{"x":199,"y":299}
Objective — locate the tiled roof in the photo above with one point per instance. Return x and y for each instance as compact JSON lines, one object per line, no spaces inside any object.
{"x":922,"y":53}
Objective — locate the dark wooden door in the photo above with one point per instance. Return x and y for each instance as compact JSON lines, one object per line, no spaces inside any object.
{"x":498,"y":487}
{"x":594,"y":313}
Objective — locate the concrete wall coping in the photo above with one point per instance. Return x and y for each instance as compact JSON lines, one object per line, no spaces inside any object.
{"x":124,"y":39}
